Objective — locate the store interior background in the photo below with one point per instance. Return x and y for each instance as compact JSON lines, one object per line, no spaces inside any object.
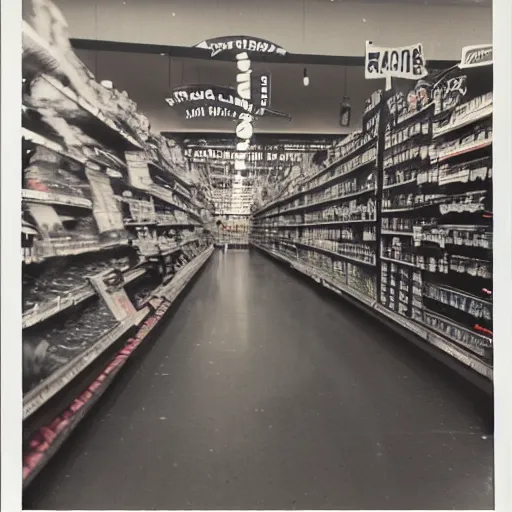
{"x":145,"y":49}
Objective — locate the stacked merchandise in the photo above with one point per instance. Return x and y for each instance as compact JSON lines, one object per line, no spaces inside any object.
{"x":405,"y":167}
{"x":233,"y":195}
{"x":330,"y":221}
{"x":110,"y":213}
{"x":437,"y":208}
{"x":277,"y":184}
{"x":232,"y":230}
{"x":420,"y":229}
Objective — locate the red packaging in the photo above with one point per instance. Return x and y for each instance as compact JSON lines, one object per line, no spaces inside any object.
{"x":53,"y":425}
{"x":128,"y":349}
{"x":94,"y":386}
{"x":43,"y":447}
{"x":48,"y":434}
{"x":85,"y":396}
{"x":110,"y":368}
{"x":76,"y":405}
{"x":61,"y":426}
{"x":35,"y":441}
{"x":26,"y":472}
{"x":120,"y":359}
{"x":33,"y":459}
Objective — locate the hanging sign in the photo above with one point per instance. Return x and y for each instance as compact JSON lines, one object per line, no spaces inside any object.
{"x":211,"y":112}
{"x":238,"y":44}
{"x":260,"y":90}
{"x":214,"y":95}
{"x":203,"y":101}
{"x":244,"y":129}
{"x":401,"y":62}
{"x":240,"y":47}
{"x":268,"y":143}
{"x":209,"y":154}
{"x":476,"y":55}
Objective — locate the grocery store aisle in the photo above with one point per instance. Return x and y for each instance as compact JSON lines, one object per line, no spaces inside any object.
{"x":262,"y":393}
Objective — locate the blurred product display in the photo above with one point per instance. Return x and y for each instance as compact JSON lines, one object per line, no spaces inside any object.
{"x":87,"y":213}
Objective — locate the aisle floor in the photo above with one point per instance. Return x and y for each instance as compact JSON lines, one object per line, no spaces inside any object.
{"x":263,"y":393}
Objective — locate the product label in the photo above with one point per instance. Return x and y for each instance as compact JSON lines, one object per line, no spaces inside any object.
{"x":138,"y":170}
{"x":106,"y":211}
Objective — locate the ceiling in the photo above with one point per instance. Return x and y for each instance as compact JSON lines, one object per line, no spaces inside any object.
{"x":313,"y":27}
{"x":148,"y":79}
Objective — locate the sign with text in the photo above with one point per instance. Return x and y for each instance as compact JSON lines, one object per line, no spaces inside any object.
{"x":138,"y":170}
{"x":241,"y":48}
{"x":401,"y":62}
{"x":212,"y":112}
{"x":260,"y":89}
{"x":110,"y":287}
{"x":227,"y":144}
{"x":225,"y":101}
{"x":215,"y":95}
{"x":106,"y":210}
{"x":476,"y":55}
{"x":237,"y":44}
{"x":208,"y":155}
{"x":213,"y":101}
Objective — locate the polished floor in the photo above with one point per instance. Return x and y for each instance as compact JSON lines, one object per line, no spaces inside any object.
{"x":263,"y":393}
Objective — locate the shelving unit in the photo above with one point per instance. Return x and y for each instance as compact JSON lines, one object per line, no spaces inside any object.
{"x":42,"y":444}
{"x":114,"y":228}
{"x":412,"y":230}
{"x":332,"y":218}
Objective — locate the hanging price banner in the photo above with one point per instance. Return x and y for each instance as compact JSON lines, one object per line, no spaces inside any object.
{"x":237,"y":44}
{"x":201,"y":101}
{"x":401,"y":62}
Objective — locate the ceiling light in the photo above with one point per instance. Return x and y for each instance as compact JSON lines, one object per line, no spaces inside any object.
{"x":306,"y":78}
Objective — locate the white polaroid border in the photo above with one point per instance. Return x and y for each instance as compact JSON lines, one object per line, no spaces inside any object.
{"x":502,"y":253}
{"x":10,"y":189}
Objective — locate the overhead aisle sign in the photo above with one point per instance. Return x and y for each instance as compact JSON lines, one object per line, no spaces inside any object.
{"x":401,"y":62}
{"x":202,"y":101}
{"x":237,"y":44}
{"x":476,"y":55}
{"x":241,"y":47}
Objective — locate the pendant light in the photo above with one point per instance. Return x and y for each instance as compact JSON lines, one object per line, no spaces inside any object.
{"x":306,"y":78}
{"x":345,"y":107}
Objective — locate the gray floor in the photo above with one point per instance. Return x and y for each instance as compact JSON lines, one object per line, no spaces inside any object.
{"x":264,"y":394}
